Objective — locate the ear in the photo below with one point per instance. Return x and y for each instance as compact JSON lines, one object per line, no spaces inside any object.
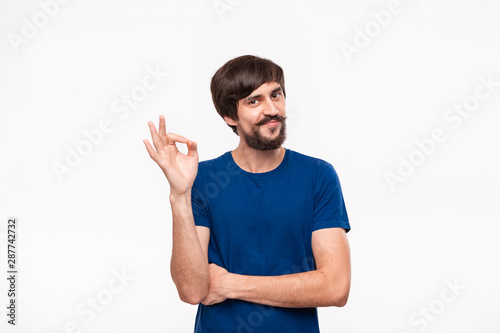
{"x":230,"y":121}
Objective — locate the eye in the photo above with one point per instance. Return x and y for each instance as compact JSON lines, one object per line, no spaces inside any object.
{"x":276,"y":95}
{"x":253,"y":102}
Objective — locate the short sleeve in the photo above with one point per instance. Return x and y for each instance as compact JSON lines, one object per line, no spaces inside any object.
{"x":329,"y":207}
{"x":199,"y":205}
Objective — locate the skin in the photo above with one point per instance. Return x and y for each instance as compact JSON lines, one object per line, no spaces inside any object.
{"x":189,"y":264}
{"x":195,"y":279}
{"x":253,"y":113}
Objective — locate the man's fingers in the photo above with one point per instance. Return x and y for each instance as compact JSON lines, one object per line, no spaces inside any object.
{"x":151,"y":151}
{"x":172,"y":138}
{"x":192,"y":148}
{"x":162,"y":129}
{"x":160,"y":138}
{"x":156,"y":138}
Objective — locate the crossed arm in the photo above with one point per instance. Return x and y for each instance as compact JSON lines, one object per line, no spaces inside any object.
{"x":197,"y":281}
{"x":328,"y":285}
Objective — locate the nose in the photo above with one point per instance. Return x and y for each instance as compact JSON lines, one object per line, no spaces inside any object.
{"x":270,"y":109}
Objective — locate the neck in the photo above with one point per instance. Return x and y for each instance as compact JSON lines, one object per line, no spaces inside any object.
{"x":258,"y":161}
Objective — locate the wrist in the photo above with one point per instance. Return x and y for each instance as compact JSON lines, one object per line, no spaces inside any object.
{"x":234,"y":285}
{"x":180,"y":197}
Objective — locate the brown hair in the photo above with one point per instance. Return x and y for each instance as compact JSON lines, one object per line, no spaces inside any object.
{"x":238,"y":78}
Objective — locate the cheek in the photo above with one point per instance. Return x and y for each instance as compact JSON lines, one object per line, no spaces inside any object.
{"x":253,"y":117}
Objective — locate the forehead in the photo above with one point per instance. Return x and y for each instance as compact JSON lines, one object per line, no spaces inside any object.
{"x":266,"y":88}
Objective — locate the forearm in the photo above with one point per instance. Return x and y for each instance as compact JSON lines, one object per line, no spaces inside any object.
{"x":309,"y":289}
{"x":189,"y":267}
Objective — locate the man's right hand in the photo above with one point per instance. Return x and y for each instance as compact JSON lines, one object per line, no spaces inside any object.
{"x":180,"y":169}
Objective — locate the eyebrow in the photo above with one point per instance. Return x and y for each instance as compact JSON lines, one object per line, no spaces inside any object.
{"x":249,"y":98}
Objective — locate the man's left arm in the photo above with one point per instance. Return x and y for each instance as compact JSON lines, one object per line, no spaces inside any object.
{"x":328,"y":285}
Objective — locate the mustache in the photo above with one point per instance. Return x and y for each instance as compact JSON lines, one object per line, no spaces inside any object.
{"x":271,"y":118}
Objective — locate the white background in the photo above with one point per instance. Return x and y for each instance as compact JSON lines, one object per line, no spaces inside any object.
{"x":362,"y":113}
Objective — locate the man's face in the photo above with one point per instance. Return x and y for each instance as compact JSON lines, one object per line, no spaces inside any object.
{"x":262,"y":117}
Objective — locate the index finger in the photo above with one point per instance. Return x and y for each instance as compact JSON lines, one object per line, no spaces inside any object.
{"x":172,"y":138}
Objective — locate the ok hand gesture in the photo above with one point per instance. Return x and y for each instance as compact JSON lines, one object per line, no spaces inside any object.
{"x":179,"y":169}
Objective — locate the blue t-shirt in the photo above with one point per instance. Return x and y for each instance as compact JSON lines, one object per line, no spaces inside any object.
{"x":261,"y":224}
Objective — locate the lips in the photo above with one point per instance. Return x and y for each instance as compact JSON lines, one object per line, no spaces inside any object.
{"x":272,"y":123}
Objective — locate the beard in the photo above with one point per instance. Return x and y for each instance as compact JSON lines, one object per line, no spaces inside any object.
{"x":259,"y":142}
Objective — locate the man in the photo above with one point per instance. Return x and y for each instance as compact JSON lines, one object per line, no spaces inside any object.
{"x":259,"y":233}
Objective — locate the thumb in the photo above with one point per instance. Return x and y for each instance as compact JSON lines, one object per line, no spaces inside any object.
{"x":192,"y":148}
